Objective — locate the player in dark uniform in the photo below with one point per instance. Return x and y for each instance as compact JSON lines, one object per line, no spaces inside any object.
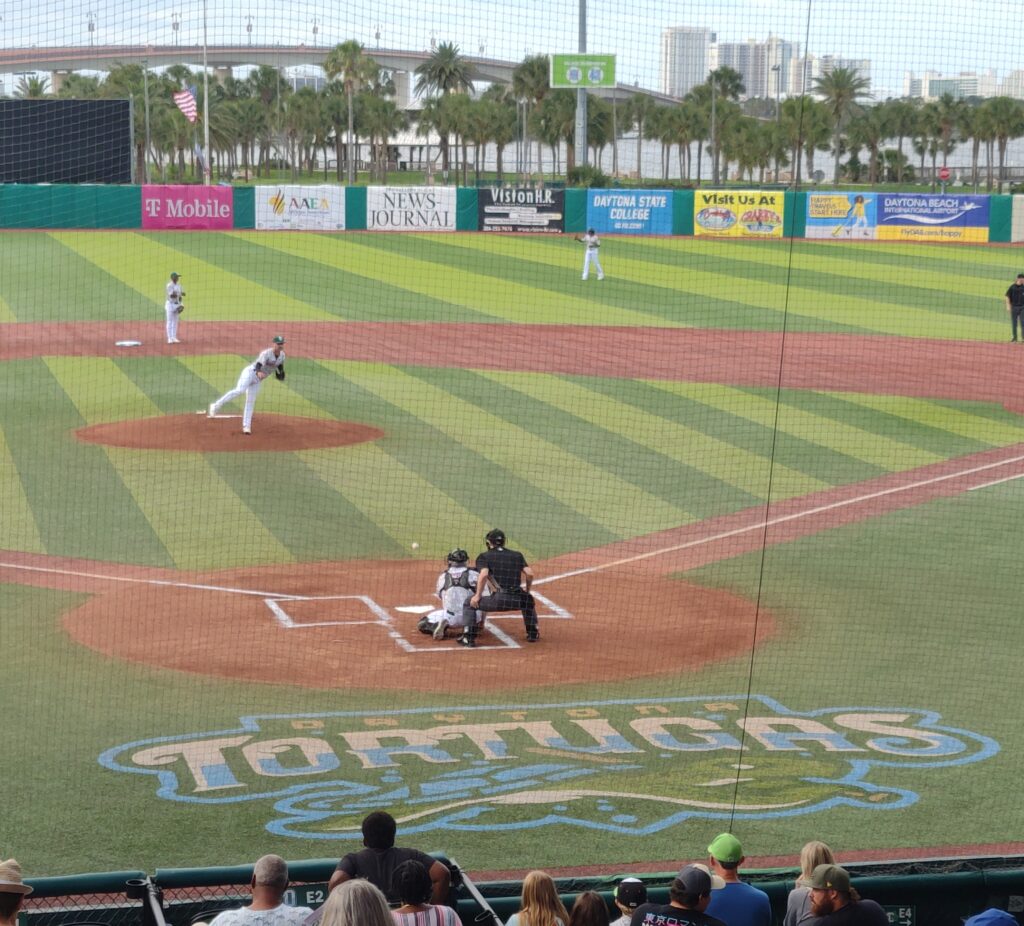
{"x":508,"y":577}
{"x":1015,"y":305}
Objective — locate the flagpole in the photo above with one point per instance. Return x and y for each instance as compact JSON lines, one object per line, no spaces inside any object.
{"x":206,"y":108}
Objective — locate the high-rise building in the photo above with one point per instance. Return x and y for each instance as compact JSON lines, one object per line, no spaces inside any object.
{"x":931,"y":85}
{"x":803,"y":72}
{"x":685,"y":58}
{"x":764,"y":66}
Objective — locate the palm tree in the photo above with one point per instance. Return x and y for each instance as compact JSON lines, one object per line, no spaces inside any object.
{"x":841,"y":89}
{"x":502,"y":120}
{"x":869,"y":128}
{"x":1007,"y":117}
{"x":444,"y":72}
{"x":268,"y":87}
{"x":726,"y":86}
{"x":816,"y":131}
{"x":79,"y":87}
{"x":554,"y":122}
{"x":530,"y":84}
{"x":347,"y":61}
{"x":902,"y":117}
{"x":638,"y":111}
{"x":32,"y":88}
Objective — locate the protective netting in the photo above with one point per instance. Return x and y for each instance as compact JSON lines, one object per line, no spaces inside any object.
{"x":735,"y":377}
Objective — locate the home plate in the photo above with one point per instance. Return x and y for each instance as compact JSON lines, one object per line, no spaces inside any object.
{"x":416,"y":608}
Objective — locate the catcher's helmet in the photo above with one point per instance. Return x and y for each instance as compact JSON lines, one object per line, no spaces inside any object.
{"x":496,"y":536}
{"x":457,"y":557}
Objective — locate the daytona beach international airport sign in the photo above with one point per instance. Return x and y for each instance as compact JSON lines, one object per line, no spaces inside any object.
{"x":924,"y":217}
{"x":631,"y":767}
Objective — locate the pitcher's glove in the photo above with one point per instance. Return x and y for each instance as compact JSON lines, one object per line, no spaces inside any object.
{"x":279,"y":373}
{"x":180,"y":309}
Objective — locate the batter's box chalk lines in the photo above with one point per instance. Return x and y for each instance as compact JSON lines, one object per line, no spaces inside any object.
{"x":383,"y":619}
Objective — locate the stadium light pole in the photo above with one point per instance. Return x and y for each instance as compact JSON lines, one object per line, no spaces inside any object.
{"x":145,"y":92}
{"x":208,"y":167}
{"x":581,"y":95}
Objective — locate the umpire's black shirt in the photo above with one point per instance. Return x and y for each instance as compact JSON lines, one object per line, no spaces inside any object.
{"x":1016,"y":294}
{"x":505,"y":567}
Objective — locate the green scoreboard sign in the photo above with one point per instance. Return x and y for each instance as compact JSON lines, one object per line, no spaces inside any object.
{"x":575,"y":71}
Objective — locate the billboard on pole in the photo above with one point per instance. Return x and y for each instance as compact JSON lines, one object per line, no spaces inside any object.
{"x":572,"y":72}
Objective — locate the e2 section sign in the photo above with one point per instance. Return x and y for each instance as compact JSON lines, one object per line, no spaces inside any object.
{"x":630,"y":212}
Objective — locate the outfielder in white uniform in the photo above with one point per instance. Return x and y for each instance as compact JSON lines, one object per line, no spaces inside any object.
{"x":592,"y":243}
{"x":173,"y":308}
{"x":455,"y":586}
{"x":270,"y":361}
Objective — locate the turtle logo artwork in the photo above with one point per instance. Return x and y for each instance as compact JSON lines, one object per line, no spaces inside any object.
{"x":632,"y":767}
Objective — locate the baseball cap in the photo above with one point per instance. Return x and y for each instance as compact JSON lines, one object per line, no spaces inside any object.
{"x":631,"y":892}
{"x":697,"y":879}
{"x":1019,"y":275}
{"x":830,"y":878}
{"x":174,"y":273}
{"x":725,"y":848}
{"x":278,"y":339}
{"x":992,"y":917}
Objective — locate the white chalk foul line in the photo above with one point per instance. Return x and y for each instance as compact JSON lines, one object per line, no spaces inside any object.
{"x":782,"y":519}
{"x":996,"y":482}
{"x":163,"y":582}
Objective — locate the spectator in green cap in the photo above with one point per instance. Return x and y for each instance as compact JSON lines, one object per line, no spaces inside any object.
{"x":835,"y":902}
{"x":738,"y":903}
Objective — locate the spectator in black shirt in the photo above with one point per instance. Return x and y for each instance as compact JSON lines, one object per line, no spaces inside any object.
{"x":689,"y":896}
{"x":378,"y":861}
{"x":506,"y":577}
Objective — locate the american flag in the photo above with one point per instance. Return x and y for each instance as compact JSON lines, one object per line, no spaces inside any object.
{"x":185,"y":100}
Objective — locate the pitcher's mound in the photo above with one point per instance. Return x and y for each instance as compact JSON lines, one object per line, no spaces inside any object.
{"x":197,"y":433}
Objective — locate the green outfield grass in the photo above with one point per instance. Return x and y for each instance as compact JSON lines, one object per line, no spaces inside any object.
{"x":911,"y":612}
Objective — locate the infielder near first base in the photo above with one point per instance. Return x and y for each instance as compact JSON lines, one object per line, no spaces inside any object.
{"x":173,"y":307}
{"x":250,"y":381}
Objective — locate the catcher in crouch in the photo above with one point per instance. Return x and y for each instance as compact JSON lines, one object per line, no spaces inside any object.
{"x":249,"y":382}
{"x":455,"y":586}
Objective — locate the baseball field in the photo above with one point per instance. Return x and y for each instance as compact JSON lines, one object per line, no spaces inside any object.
{"x":771,"y":493}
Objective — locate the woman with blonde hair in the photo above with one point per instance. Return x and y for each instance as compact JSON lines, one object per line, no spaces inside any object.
{"x":798,"y":906}
{"x":540,"y":904}
{"x":356,"y":903}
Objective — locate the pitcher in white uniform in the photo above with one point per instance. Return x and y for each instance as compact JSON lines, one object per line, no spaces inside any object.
{"x":173,"y":308}
{"x":269,"y":361}
{"x":592,"y":242}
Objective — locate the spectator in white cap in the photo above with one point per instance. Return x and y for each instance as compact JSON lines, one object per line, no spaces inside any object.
{"x":835,"y":902}
{"x":13,"y":891}
{"x":630,"y":893}
{"x":268,"y":884}
{"x":737,"y":903}
{"x":689,"y":896}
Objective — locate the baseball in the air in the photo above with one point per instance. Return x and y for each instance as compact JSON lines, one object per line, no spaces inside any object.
{"x":415,"y":546}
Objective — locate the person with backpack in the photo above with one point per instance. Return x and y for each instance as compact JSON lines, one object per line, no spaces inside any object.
{"x":455,"y":586}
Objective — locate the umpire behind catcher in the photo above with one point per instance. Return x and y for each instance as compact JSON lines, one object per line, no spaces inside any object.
{"x":509,"y":576}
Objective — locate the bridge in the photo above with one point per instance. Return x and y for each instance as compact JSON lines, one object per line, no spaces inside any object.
{"x":60,"y":61}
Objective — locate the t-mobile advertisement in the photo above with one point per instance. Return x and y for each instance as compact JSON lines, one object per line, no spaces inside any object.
{"x":192,"y":207}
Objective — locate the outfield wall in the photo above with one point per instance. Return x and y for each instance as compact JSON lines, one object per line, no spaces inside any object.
{"x":709,"y":213}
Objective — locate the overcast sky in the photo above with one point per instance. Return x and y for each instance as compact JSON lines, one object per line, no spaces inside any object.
{"x":897,"y":35}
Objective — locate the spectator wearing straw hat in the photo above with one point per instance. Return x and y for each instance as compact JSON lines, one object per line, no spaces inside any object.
{"x":13,"y":891}
{"x":738,"y":904}
{"x":835,"y":902}
{"x":268,"y":884}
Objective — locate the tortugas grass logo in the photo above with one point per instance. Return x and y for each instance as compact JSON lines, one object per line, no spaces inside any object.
{"x":631,"y":767}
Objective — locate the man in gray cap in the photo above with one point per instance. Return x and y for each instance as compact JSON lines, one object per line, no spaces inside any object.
{"x":835,"y":902}
{"x":13,"y":891}
{"x":689,"y":896}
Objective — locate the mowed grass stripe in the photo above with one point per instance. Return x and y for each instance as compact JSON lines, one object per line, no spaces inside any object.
{"x":190,"y":508}
{"x":946,"y":291}
{"x":6,"y":314}
{"x":144,"y":263}
{"x":18,"y":528}
{"x":296,"y":510}
{"x":722,"y":464}
{"x":404,"y":505}
{"x":662,"y":496}
{"x":81,"y":505}
{"x":816,"y":429}
{"x":820,"y":464}
{"x":310,"y":275}
{"x":979,"y":431}
{"x":598,"y":495}
{"x":496,"y":494}
{"x":498,"y":298}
